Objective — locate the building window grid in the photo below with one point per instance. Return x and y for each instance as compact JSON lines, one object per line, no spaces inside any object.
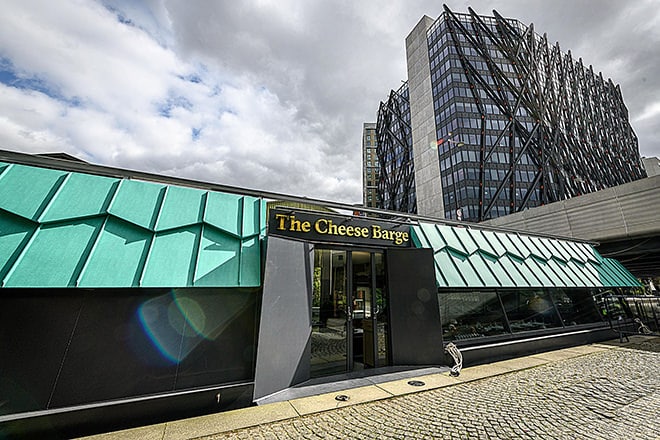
{"x":445,"y":71}
{"x":457,"y":112}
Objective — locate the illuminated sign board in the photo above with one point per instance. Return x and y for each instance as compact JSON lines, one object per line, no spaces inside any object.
{"x":337,"y":229}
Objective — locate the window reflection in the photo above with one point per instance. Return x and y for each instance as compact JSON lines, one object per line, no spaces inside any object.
{"x":576,"y":306}
{"x":529,"y":310}
{"x":491,"y":312}
{"x":467,"y":315}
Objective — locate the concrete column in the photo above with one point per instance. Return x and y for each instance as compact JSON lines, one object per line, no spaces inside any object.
{"x":427,"y":168}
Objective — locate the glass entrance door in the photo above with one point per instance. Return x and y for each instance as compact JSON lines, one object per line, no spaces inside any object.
{"x":329,"y":313}
{"x":349,"y":312}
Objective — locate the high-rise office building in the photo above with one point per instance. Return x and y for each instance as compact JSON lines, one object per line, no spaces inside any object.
{"x":369,"y":166}
{"x":500,"y":121}
{"x":396,"y":184}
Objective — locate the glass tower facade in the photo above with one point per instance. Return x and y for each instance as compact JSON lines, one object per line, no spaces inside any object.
{"x":518,"y":123}
{"x":396,"y":176}
{"x":369,"y":166}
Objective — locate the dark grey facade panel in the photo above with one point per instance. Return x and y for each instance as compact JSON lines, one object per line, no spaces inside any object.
{"x":285,"y":325}
{"x":414,"y":313}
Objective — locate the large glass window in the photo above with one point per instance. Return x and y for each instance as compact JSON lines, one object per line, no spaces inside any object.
{"x":467,"y":315}
{"x":576,"y":306}
{"x":529,"y":310}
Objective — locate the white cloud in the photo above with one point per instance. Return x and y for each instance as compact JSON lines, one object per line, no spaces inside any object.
{"x":262,"y":94}
{"x":650,"y":111}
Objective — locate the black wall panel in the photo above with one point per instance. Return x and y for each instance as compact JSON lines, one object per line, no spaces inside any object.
{"x":66,"y":347}
{"x":35,"y":328}
{"x":416,"y":332}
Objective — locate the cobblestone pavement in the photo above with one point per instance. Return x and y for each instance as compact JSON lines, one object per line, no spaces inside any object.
{"x":610,"y":394}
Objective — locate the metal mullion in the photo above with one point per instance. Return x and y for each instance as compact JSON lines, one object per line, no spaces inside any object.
{"x":374,"y":318}
{"x":349,"y":310}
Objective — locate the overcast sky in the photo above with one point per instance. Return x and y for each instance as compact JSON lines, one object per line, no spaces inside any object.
{"x":262,"y":94}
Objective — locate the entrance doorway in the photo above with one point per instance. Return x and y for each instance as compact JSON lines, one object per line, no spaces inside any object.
{"x":349,"y":312}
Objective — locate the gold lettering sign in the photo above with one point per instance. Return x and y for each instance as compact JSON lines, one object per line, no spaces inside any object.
{"x":290,"y":224}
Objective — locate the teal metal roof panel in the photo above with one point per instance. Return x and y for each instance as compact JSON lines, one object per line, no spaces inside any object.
{"x":251,"y":216}
{"x":483,"y":268}
{"x":512,"y":268}
{"x":510,"y":247}
{"x":451,"y":239}
{"x":630,"y":280}
{"x":450,"y":274}
{"x":171,"y":259}
{"x":26,"y":191}
{"x":590,"y":254}
{"x":118,"y":256}
{"x":432,"y":237}
{"x":66,"y":229}
{"x":578,"y":253}
{"x":607,"y":276}
{"x":465,"y":269}
{"x":479,"y":238}
{"x":528,"y":271}
{"x":181,"y":207}
{"x":137,"y":202}
{"x":225,"y":211}
{"x":539,"y":248}
{"x":466,"y":240}
{"x":54,"y":256}
{"x":575,"y":252}
{"x":522,"y":245}
{"x":559,"y":253}
{"x":218,"y":261}
{"x":546,"y":274}
{"x":499,"y":259}
{"x":504,"y":278}
{"x":495,"y":243}
{"x":418,"y":238}
{"x":15,"y":232}
{"x":588,"y":273}
{"x":618,"y":273}
{"x":574,"y":270}
{"x":250,"y":270}
{"x":81,"y":195}
{"x":562,"y":270}
{"x":439,"y":278}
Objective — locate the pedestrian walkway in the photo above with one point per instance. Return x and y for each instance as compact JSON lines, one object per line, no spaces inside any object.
{"x":600,"y":391}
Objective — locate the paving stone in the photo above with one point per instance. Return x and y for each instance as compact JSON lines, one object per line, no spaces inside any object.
{"x":599,"y":392}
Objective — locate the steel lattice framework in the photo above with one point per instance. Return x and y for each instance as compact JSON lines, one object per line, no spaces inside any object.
{"x":396,"y":184}
{"x":569,"y":122}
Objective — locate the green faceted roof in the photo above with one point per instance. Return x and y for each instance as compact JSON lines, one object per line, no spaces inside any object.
{"x":67,"y":229}
{"x":467,"y":257}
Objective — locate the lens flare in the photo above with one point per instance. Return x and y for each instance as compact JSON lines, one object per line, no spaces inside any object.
{"x":179,"y":321}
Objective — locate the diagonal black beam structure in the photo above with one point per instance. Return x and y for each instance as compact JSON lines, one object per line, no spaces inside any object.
{"x":568,"y":123}
{"x":396,"y":185}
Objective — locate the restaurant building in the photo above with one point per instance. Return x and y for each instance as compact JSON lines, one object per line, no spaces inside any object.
{"x":129,"y":298}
